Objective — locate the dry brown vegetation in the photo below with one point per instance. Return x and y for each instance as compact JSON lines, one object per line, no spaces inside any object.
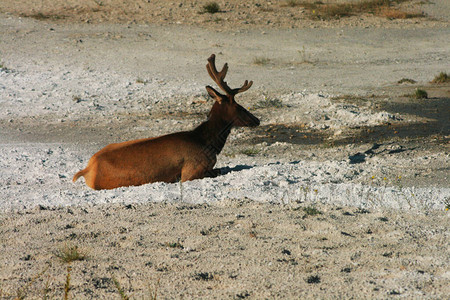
{"x":233,"y":14}
{"x":441,"y":78}
{"x":380,"y":8}
{"x":406,"y":80}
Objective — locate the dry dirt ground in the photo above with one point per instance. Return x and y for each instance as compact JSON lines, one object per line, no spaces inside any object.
{"x":233,"y":250}
{"x":90,"y":51}
{"x":231,"y":15}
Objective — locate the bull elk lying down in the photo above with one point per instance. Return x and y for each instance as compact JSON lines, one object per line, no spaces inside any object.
{"x":187,"y":155}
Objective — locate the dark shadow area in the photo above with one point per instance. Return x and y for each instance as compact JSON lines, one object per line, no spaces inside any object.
{"x":357,"y":158}
{"x":289,"y":134}
{"x":238,"y":168}
{"x":377,"y":149}
{"x":437,"y":110}
{"x":378,"y":134}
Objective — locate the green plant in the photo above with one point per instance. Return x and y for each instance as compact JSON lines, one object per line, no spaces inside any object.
{"x":420,"y":94}
{"x":311,"y":211}
{"x":46,"y":289}
{"x":142,"y":81}
{"x":152,"y":290}
{"x":441,"y":78}
{"x":304,"y":58}
{"x":230,"y":154}
{"x":68,"y":254}
{"x":406,"y":80}
{"x":261,"y":61}
{"x":174,"y":245}
{"x":23,"y":291}
{"x":77,"y":98}
{"x":120,"y":290}
{"x":250,"y":151}
{"x":266,"y":103}
{"x":211,"y":8}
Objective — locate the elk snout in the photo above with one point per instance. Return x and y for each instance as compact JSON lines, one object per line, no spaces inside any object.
{"x":246,"y":118}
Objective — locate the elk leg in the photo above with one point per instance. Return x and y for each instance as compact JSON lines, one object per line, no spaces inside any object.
{"x":190,"y":173}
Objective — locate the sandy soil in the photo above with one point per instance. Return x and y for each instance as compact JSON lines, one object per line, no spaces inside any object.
{"x":339,"y":135}
{"x":235,"y":249}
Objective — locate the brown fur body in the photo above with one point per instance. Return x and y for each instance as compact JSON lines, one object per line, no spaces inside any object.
{"x":166,"y":158}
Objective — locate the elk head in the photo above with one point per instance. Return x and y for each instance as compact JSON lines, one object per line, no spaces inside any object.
{"x":225,"y":107}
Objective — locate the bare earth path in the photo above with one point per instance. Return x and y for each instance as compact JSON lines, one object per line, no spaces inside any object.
{"x":341,"y":192}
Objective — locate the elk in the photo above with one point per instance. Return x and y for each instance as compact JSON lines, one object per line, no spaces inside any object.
{"x":186,"y":155}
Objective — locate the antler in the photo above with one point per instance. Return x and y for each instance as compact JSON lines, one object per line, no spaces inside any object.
{"x":219,"y":77}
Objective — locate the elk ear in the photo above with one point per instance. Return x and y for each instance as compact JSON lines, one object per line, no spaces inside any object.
{"x":214,"y":94}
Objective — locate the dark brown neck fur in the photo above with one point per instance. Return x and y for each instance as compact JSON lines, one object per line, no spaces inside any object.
{"x":213,"y":133}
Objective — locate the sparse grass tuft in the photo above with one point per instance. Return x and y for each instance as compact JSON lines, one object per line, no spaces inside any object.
{"x":23,"y":291}
{"x":406,"y":80}
{"x":420,"y":94}
{"x":142,"y":81}
{"x":68,"y":254}
{"x":250,"y":151}
{"x":77,"y":99}
{"x":441,"y":78}
{"x":291,"y":3}
{"x":120,"y":290}
{"x":304,"y":58}
{"x":311,"y":211}
{"x":175,"y":245}
{"x":3,"y":67}
{"x":261,"y":61}
{"x":40,"y":16}
{"x":46,"y":289}
{"x":153,"y":291}
{"x":266,"y":103}
{"x":210,"y":8}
